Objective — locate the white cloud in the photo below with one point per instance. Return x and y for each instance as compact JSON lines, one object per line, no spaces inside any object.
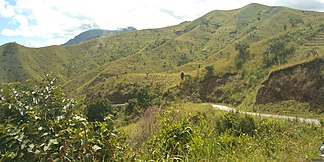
{"x":303,"y":4}
{"x":55,"y":41}
{"x":6,"y":10}
{"x":32,"y":43}
{"x":8,"y":32}
{"x":60,"y":20}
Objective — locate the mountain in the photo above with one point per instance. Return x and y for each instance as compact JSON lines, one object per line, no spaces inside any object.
{"x":94,"y":33}
{"x":243,"y":44}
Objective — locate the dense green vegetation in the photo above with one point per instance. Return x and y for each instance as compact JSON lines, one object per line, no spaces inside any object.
{"x":215,"y":136}
{"x":38,"y":123}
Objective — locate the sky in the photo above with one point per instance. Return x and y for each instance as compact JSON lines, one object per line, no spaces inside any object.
{"x":38,"y":23}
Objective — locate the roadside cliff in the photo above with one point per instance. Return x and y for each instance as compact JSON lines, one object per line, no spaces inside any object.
{"x":302,"y":82}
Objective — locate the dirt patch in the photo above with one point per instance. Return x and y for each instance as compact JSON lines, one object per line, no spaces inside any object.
{"x":302,"y":82}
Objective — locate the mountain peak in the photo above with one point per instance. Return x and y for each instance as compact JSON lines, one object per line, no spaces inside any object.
{"x":95,"y":33}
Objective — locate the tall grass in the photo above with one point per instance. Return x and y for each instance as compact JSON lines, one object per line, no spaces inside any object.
{"x":219,"y":136}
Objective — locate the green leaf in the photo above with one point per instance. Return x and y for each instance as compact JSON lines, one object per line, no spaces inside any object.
{"x":53,"y":141}
{"x":30,"y":149}
{"x":95,"y":148}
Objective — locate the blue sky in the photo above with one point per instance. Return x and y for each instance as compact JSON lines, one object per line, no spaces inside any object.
{"x":37,"y":23}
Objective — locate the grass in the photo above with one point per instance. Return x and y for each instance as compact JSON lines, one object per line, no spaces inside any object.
{"x":289,"y":108}
{"x":271,"y":139}
{"x":141,"y":130}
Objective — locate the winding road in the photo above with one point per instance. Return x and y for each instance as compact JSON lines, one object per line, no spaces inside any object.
{"x":306,"y":120}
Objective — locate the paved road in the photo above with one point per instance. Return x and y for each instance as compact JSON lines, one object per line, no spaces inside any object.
{"x":307,"y":120}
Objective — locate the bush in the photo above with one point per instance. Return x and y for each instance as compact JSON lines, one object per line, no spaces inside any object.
{"x":173,"y":141}
{"x":277,"y":52}
{"x":132,"y":107}
{"x":209,"y":71}
{"x":236,"y":124}
{"x":188,"y":90}
{"x":242,"y":56}
{"x":97,"y":110}
{"x":144,"y":97}
{"x":38,"y":123}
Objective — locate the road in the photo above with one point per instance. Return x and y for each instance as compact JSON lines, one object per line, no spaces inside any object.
{"x":226,"y":108}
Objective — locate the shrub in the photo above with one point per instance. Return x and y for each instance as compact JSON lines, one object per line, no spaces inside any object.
{"x":236,"y":124}
{"x":97,"y":110}
{"x":243,"y":54}
{"x":174,"y":140}
{"x":144,"y":97}
{"x":277,"y":52}
{"x":39,"y":123}
{"x":209,"y":71}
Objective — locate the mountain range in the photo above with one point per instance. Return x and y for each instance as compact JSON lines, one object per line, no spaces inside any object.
{"x":242,"y":42}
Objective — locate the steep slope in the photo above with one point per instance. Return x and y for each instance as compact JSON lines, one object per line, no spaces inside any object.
{"x":302,"y":82}
{"x":94,"y":33}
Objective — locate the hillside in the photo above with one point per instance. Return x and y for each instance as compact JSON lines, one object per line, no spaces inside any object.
{"x":302,"y":82}
{"x":143,"y":95}
{"x":11,"y":69}
{"x":94,"y":33}
{"x":247,"y":42}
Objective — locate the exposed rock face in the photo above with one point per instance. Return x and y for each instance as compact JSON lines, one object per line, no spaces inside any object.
{"x":209,"y":84}
{"x":220,"y":88}
{"x":302,"y":82}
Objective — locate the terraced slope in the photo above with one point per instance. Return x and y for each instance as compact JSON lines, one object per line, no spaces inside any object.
{"x":317,"y":41}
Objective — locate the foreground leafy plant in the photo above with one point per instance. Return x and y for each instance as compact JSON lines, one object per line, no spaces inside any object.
{"x":38,"y":123}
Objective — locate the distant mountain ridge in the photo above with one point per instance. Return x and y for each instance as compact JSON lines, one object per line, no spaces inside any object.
{"x":95,"y":33}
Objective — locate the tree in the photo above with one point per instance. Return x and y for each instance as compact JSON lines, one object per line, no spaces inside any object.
{"x":144,"y":96}
{"x":182,"y":75}
{"x":209,"y":71}
{"x":277,"y":53}
{"x":183,"y":59}
{"x":243,"y":54}
{"x":97,"y":110}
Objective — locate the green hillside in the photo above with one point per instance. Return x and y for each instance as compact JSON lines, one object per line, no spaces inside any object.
{"x":211,"y":39}
{"x":143,"y":95}
{"x":190,"y":46}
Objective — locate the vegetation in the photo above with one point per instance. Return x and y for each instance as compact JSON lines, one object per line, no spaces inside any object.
{"x":242,"y":56}
{"x":208,"y":135}
{"x":277,"y":53}
{"x":97,"y":110}
{"x":159,"y":115}
{"x":38,"y":123}
{"x":209,"y":71}
{"x":208,"y":41}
